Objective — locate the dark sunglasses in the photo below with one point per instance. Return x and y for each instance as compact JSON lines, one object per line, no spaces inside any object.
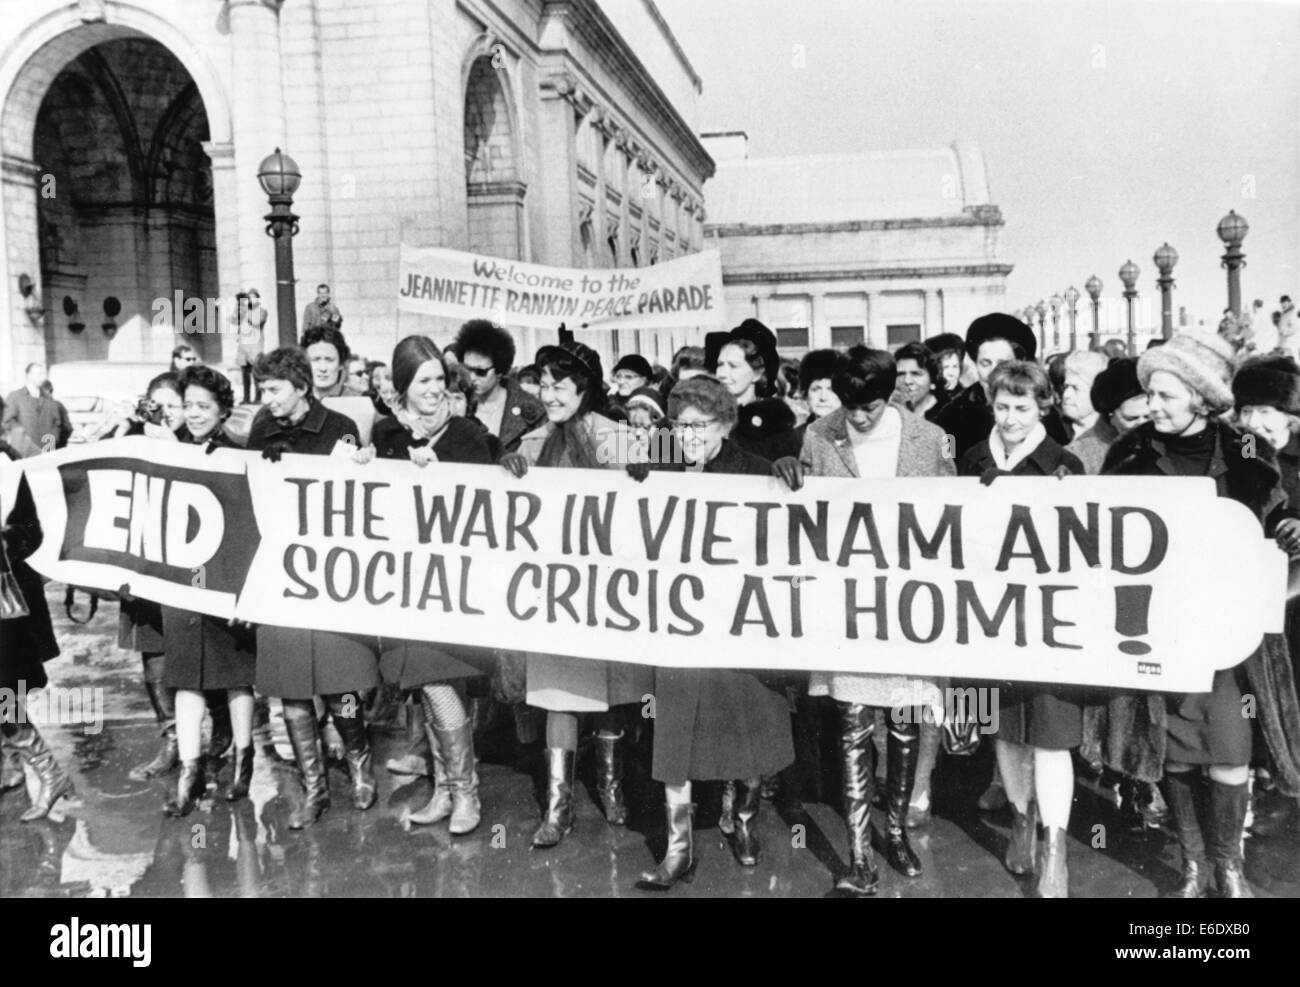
{"x":478,"y":371}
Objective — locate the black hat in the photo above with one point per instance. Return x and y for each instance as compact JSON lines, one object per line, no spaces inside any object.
{"x":1115,"y":385}
{"x":818,"y":365}
{"x":999,"y":325}
{"x":1273,"y":381}
{"x":944,"y":342}
{"x":586,"y":357}
{"x":648,"y":396}
{"x":761,"y":336}
{"x":636,"y":363}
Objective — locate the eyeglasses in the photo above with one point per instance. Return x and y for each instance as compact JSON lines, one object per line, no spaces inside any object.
{"x":478,"y":371}
{"x":697,"y":427}
{"x":626,"y":377}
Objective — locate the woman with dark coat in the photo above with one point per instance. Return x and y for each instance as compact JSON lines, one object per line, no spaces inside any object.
{"x":577,"y":436}
{"x":26,"y":643}
{"x":920,"y":381}
{"x":1039,"y":724}
{"x":746,"y":361}
{"x":297,"y":664}
{"x":424,"y":431}
{"x":712,"y":723}
{"x":1187,"y":382}
{"x":816,"y":371}
{"x":208,"y":655}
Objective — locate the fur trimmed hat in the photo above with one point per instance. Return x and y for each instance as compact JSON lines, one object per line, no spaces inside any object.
{"x":999,"y":325}
{"x":818,"y":365}
{"x":763,"y":338}
{"x":1272,"y":381}
{"x":944,"y":342}
{"x":1115,"y":385}
{"x":1201,"y":360}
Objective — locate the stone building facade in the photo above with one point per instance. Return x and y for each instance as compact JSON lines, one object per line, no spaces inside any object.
{"x":555,"y":132}
{"x":831,"y":250}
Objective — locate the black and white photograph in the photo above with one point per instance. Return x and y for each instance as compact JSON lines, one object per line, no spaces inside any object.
{"x":651,"y":449}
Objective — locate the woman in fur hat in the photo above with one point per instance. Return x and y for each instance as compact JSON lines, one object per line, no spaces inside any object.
{"x":1201,"y":740}
{"x":577,"y":435}
{"x":816,"y":370}
{"x":746,"y":361}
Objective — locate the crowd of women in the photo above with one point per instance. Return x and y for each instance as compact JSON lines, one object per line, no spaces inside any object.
{"x":980,"y":406}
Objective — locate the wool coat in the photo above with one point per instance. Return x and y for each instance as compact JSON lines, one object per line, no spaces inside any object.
{"x":26,"y":643}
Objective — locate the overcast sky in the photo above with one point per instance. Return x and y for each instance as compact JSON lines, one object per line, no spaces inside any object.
{"x":1107,"y":127}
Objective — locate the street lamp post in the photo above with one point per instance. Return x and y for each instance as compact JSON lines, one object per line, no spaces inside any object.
{"x":1040,"y":310}
{"x":1072,"y":301}
{"x":1129,"y":275}
{"x":1232,"y":230}
{"x":1165,"y":258}
{"x":279,"y":177}
{"x":1093,"y":287}
{"x":1055,"y":303}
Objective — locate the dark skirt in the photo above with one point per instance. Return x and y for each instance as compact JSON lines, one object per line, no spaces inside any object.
{"x":205,"y":652}
{"x":714,"y":724}
{"x":1208,"y":727}
{"x":298,"y":664}
{"x":26,"y":643}
{"x":1040,"y":715}
{"x":411,"y":664}
{"x":140,"y":627}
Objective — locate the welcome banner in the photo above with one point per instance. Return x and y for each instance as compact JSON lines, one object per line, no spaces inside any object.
{"x":681,"y":293}
{"x":1135,"y":582}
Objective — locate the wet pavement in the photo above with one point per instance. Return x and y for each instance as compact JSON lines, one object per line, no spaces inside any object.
{"x":113,"y":840}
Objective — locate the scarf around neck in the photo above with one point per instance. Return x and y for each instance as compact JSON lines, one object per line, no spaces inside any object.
{"x":1002,"y":460}
{"x":424,"y":427}
{"x":570,"y":444}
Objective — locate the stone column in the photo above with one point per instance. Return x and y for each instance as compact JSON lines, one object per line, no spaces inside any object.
{"x":819,"y":333}
{"x":225,"y":195}
{"x":933,"y":314}
{"x":25,"y":340}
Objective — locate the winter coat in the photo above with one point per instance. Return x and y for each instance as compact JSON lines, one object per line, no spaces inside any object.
{"x":523,"y":413}
{"x":968,"y":418}
{"x":1091,"y":446}
{"x":766,"y":428}
{"x":1128,"y":732}
{"x":26,"y":643}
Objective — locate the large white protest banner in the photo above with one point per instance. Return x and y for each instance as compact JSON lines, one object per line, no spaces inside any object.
{"x":1110,"y":581}
{"x":681,"y":293}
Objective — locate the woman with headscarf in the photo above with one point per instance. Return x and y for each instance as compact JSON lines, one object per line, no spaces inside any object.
{"x":1201,"y":740}
{"x":869,"y":438}
{"x":710,"y":723}
{"x":577,"y":436}
{"x":423,"y":430}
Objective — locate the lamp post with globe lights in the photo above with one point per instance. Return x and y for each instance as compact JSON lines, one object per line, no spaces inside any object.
{"x":1165,"y":258}
{"x":1128,"y":274}
{"x":1072,"y":307}
{"x":1232,"y":230}
{"x":279,"y":177}
{"x":1093,"y":287}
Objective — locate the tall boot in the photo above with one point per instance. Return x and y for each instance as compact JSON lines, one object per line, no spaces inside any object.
{"x":902,"y":748}
{"x":419,"y":741}
{"x":558,"y":820}
{"x":356,"y":744}
{"x":744,"y":841}
{"x":858,"y":779}
{"x":190,"y":787}
{"x":168,"y":756}
{"x":31,"y":746}
{"x":440,"y":805}
{"x":1227,"y":805}
{"x":919,"y":808}
{"x":609,"y":778}
{"x":1023,"y":846}
{"x":262,"y":737}
{"x":222,"y":736}
{"x":304,"y":735}
{"x":727,"y":817}
{"x":457,"y":748}
{"x":243,"y":774}
{"x":1053,"y":874}
{"x":680,"y":860}
{"x":1184,"y":792}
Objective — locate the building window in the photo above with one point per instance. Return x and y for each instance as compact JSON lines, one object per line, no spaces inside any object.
{"x":847,"y":336}
{"x":792,"y":338}
{"x":896,"y":336}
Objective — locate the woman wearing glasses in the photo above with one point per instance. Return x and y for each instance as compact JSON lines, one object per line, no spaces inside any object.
{"x":577,"y":436}
{"x":712,"y":724}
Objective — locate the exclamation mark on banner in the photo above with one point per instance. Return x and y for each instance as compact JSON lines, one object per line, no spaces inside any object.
{"x":1132,"y":606}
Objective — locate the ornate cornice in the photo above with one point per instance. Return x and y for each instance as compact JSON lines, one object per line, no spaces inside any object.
{"x":987,"y":216}
{"x":787,"y":276}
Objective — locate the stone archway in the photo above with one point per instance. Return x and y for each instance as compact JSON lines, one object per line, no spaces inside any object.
{"x":493,"y":182}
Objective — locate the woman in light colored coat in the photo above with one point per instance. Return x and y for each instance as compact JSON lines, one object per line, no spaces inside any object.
{"x":577,"y":437}
{"x":871,"y":439}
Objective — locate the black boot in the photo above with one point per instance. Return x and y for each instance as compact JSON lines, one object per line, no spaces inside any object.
{"x":345,"y":711}
{"x":31,"y":746}
{"x":1023,"y":846}
{"x":858,"y":771}
{"x":243,"y":774}
{"x":1227,"y":805}
{"x":680,"y":860}
{"x":744,"y":841}
{"x":304,"y":735}
{"x":1053,"y":874}
{"x":190,"y":787}
{"x":1184,"y":792}
{"x":901,"y":752}
{"x":221,"y":738}
{"x":609,"y":778}
{"x":558,"y":821}
{"x":163,"y":701}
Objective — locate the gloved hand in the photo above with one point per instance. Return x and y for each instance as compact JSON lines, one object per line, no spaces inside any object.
{"x":789,"y":469}
{"x":516,"y":464}
{"x":991,"y":474}
{"x":638,"y":471}
{"x":1062,"y":471}
{"x":211,"y":447}
{"x":275,"y":450}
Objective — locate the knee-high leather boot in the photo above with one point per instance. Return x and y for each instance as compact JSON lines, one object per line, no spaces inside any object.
{"x":457,"y":750}
{"x":345,"y":711}
{"x":609,"y":778}
{"x":440,"y":804}
{"x":902,"y":748}
{"x":1227,"y":814}
{"x":243,"y":774}
{"x":304,"y":735}
{"x":222,"y":736}
{"x":680,"y":860}
{"x":163,"y":701}
{"x":558,"y":821}
{"x":1184,"y":792}
{"x":190,"y":787}
{"x":858,"y":770}
{"x":744,"y":840}
{"x":1022,"y":849}
{"x":31,"y":746}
